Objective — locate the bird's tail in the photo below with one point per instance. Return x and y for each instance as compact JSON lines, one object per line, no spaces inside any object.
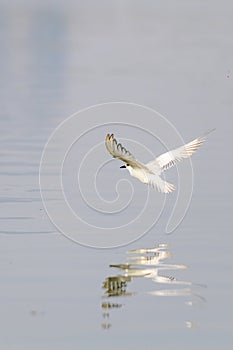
{"x":160,"y":184}
{"x":168,"y":187}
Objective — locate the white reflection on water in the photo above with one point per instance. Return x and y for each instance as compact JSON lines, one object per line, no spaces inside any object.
{"x":148,"y":263}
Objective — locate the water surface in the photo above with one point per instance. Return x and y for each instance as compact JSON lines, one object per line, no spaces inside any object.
{"x":59,"y":57}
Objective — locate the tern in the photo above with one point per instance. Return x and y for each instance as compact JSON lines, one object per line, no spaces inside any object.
{"x":150,"y":173}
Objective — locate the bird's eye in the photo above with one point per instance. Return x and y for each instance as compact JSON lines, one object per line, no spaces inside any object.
{"x":127,"y":164}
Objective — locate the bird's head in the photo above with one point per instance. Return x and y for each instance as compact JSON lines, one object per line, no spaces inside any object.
{"x":124,"y":166}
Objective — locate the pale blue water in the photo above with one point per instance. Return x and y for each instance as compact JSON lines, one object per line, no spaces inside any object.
{"x":57,"y":58}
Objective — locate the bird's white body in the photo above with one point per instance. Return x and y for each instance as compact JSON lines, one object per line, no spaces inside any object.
{"x":150,"y":173}
{"x":138,"y":173}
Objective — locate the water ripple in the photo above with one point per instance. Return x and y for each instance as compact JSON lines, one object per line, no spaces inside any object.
{"x":147,"y":263}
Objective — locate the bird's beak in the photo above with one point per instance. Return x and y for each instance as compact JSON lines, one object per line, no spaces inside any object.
{"x":123,"y":166}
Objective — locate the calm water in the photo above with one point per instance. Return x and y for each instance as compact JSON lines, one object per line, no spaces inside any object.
{"x":162,"y":290}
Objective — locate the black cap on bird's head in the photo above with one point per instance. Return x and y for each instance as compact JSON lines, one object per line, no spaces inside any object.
{"x":124,"y":166}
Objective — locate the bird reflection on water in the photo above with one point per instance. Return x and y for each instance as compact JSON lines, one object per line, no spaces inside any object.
{"x":146,"y":263}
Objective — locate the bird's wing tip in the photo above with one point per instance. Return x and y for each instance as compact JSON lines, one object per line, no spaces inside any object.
{"x":209,"y":131}
{"x":109,"y":137}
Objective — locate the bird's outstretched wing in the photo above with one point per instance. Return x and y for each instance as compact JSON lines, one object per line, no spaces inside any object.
{"x":161,"y":185}
{"x":168,"y":159}
{"x":120,"y":152}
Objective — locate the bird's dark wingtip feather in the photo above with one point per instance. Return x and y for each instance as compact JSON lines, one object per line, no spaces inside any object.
{"x":109,"y":137}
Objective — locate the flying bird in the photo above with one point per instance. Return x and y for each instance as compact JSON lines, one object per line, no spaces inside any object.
{"x":150,"y":173}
